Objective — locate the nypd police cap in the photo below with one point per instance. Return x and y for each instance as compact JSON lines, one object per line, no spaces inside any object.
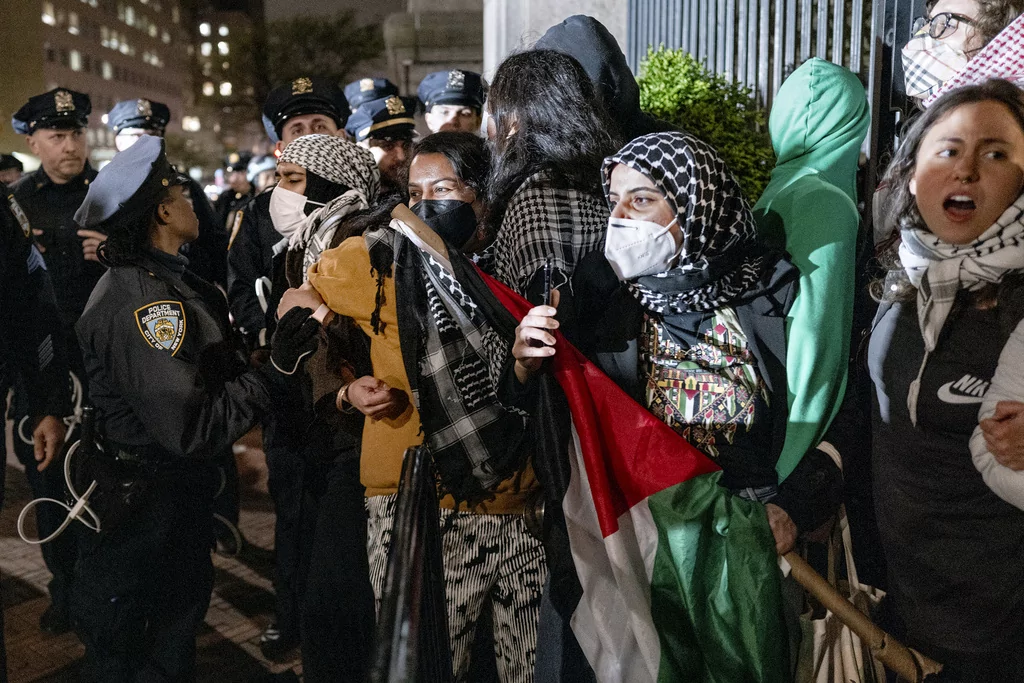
{"x":305,"y":95}
{"x":386,"y":118}
{"x":464,"y":88}
{"x":237,"y":161}
{"x":143,"y":114}
{"x":59,"y":108}
{"x":258,"y":165}
{"x":366,"y":89}
{"x":132,"y":181}
{"x":9,"y":161}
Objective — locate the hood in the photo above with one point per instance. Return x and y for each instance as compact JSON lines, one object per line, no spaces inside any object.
{"x":818,"y":123}
{"x":591,"y":44}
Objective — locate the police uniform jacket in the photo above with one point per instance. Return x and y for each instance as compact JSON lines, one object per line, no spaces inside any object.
{"x":228,"y":203}
{"x":32,"y":345}
{"x":166,"y":377}
{"x":250,"y":257}
{"x":207,"y":255}
{"x":50,"y":209}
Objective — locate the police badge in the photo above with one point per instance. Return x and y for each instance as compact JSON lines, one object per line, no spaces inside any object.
{"x":394,"y":105}
{"x":302,"y":86}
{"x":144,"y":108}
{"x":456,"y":80}
{"x":366,"y":85}
{"x":162,"y":324}
{"x":64,"y":102}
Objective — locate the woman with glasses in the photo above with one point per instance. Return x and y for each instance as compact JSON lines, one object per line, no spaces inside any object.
{"x":955,"y":32}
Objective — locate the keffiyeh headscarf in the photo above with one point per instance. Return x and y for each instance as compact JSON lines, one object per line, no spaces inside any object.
{"x":721,"y":258}
{"x":939,"y":270}
{"x":1002,"y":57}
{"x":334,"y":166}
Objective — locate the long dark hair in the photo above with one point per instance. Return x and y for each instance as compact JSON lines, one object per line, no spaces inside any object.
{"x":547,"y":116}
{"x":466,"y":152}
{"x":128,"y":231}
{"x":901,"y":206}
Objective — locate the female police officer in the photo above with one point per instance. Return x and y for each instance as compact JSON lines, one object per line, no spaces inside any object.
{"x":172,"y":394}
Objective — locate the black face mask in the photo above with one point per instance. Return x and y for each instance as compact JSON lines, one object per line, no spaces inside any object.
{"x":453,"y":220}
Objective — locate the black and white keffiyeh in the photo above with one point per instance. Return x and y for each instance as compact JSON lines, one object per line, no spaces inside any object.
{"x":939,"y":270}
{"x":542,"y":223}
{"x":344,"y":164}
{"x":721,"y":258}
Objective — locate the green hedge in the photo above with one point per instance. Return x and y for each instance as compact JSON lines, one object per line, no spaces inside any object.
{"x":677,"y":88}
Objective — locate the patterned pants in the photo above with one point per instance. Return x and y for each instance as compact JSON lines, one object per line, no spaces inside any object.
{"x":486,"y":557}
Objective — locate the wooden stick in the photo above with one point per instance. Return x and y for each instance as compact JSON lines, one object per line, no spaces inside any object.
{"x":909,"y":664}
{"x":422,"y":230}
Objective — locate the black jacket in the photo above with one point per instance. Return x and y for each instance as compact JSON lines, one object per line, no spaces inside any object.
{"x":51,"y":209}
{"x":250,"y":257}
{"x":165,"y":374}
{"x":32,"y":344}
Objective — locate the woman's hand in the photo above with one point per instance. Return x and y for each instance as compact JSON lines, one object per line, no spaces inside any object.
{"x":783,"y":528}
{"x":534,"y":342}
{"x":375,"y":399}
{"x":1004,"y":434}
{"x":301,"y":297}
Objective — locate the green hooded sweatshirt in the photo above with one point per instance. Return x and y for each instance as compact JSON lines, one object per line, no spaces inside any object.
{"x":818,"y":123}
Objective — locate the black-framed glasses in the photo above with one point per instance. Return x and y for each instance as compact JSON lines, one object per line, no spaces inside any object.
{"x":942,"y":24}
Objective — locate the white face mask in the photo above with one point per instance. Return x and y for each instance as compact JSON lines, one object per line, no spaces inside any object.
{"x":928,"y":63}
{"x":287,"y":211}
{"x":636,"y":248}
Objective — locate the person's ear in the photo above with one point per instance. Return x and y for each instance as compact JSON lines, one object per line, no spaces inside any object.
{"x":163,"y":211}
{"x":31,"y":142}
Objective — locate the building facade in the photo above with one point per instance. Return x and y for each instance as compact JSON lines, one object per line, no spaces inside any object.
{"x":109,"y":49}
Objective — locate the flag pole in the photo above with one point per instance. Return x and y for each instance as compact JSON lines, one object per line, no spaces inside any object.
{"x":908,"y":663}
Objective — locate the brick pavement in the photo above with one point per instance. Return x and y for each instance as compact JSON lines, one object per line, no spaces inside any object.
{"x":241,"y":606}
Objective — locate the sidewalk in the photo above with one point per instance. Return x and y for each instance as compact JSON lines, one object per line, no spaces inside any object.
{"x":241,"y":607}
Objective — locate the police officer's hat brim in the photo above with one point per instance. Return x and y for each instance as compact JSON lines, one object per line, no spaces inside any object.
{"x":302,"y":106}
{"x":49,"y":123}
{"x":457,"y":99}
{"x":130,"y":184}
{"x":395,"y":129}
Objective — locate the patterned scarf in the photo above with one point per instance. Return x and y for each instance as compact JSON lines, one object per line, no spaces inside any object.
{"x":340,"y":162}
{"x":544,"y":222}
{"x":939,"y":270}
{"x":1003,"y":57}
{"x":721,"y":259}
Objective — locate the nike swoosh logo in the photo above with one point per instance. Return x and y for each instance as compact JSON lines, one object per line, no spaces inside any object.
{"x":947,"y":396}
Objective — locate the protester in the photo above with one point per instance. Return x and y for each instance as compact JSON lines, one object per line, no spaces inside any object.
{"x":488,"y":554}
{"x":386,"y":127}
{"x":304,"y":106}
{"x":172,"y":395}
{"x":953,"y":547}
{"x":453,"y":100}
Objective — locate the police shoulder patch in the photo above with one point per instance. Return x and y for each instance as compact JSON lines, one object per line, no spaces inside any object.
{"x":162,"y":325}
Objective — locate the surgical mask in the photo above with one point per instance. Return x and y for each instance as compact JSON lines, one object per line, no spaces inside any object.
{"x":928,"y":63}
{"x":287,"y":211}
{"x":636,"y":248}
{"x":452,"y":219}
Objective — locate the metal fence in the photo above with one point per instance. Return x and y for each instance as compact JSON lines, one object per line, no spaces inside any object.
{"x":760,"y":42}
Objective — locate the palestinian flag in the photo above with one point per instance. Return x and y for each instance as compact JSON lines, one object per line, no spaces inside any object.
{"x":680,"y":579}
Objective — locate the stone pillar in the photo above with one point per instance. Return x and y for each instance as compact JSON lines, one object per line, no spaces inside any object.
{"x":511,"y":25}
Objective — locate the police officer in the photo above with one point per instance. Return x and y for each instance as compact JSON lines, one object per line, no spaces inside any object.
{"x":172,"y":395}
{"x":207,"y":256}
{"x":239,"y":190}
{"x":11,"y":169}
{"x":386,"y":127}
{"x":453,"y":100}
{"x":30,"y":346}
{"x":304,"y":106}
{"x":364,"y":90}
{"x":54,"y":125}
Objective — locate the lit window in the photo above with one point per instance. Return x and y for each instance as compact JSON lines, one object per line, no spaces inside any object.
{"x":204,"y":28}
{"x":48,"y":14}
{"x":108,"y":71}
{"x":190,"y":124}
{"x":104,"y":36}
{"x":73,"y":23}
{"x":222,"y":47}
{"x":225,"y":89}
{"x":152,"y":30}
{"x":208,"y":89}
{"x":129,"y":15}
{"x":104,"y":119}
{"x":224,"y":66}
{"x":175,"y":17}
{"x":166,"y":37}
{"x":206,"y":49}
{"x":223,"y":30}
{"x":94,"y":3}
{"x":76,"y":60}
{"x":207,"y":69}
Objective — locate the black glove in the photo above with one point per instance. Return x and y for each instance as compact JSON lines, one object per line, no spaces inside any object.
{"x":294,"y":339}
